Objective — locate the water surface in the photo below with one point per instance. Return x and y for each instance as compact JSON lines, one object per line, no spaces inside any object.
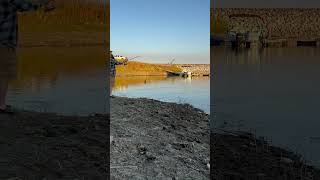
{"x":273,"y":92}
{"x":194,"y":91}
{"x":66,"y":80}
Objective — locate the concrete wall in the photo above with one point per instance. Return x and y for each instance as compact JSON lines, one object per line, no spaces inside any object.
{"x":200,"y":69}
{"x":281,"y":23}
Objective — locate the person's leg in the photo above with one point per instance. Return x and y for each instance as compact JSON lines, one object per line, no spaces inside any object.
{"x":112,"y":79}
{"x":3,"y":92}
{"x":7,"y":72}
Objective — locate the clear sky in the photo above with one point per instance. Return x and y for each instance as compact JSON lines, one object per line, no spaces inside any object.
{"x":160,"y":30}
{"x":266,"y":3}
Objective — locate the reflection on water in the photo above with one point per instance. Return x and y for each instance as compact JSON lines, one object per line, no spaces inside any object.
{"x":68,"y":81}
{"x":195,"y":91}
{"x":273,"y":92}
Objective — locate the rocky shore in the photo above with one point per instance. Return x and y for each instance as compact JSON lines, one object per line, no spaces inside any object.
{"x":158,"y":140}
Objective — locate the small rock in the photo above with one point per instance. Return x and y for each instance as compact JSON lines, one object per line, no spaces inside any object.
{"x":286,"y":160}
{"x":150,"y":156}
{"x":111,"y":139}
{"x":141,"y":149}
{"x":166,"y":115}
{"x":169,"y":148}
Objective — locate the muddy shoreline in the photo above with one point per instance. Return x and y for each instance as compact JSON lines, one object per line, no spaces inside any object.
{"x":158,"y":140}
{"x":48,"y":146}
{"x":241,"y":155}
{"x":150,"y":139}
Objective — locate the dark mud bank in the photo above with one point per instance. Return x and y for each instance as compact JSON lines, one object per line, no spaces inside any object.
{"x":241,"y":156}
{"x":48,"y":146}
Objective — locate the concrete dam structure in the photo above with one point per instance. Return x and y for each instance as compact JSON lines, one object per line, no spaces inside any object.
{"x":280,"y":27}
{"x":196,"y":69}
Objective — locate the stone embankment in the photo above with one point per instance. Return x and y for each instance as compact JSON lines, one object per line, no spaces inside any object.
{"x":196,"y":69}
{"x":300,"y":24}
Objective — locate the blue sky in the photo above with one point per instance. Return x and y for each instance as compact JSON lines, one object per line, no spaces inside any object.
{"x":160,"y":30}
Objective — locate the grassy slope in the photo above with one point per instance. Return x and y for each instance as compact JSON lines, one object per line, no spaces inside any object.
{"x":67,"y":12}
{"x":134,"y":67}
{"x":73,"y":21}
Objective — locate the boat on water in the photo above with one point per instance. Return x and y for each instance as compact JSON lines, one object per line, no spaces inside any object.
{"x":179,"y":74}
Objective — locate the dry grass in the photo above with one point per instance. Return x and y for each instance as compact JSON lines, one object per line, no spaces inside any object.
{"x":87,"y":13}
{"x":77,"y":22}
{"x":134,"y":66}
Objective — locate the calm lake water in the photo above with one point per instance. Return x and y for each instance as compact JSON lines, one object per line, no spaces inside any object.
{"x":273,"y":92}
{"x":194,"y":91}
{"x":74,"y":83}
{"x":51,"y":80}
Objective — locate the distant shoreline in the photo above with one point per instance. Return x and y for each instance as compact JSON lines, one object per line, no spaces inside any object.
{"x":134,"y":68}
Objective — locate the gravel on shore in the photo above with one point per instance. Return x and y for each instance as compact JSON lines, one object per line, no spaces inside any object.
{"x":158,"y":140}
